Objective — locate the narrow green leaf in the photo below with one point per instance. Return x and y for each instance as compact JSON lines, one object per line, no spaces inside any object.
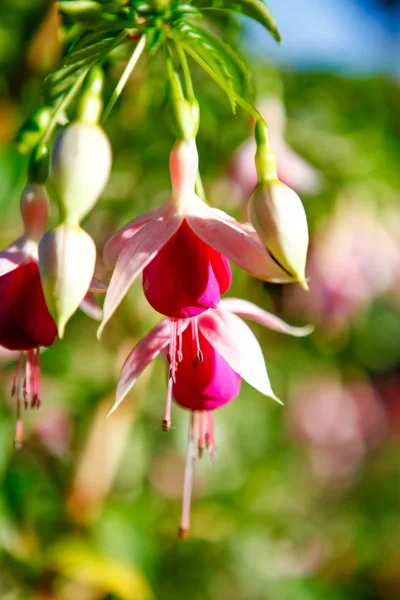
{"x":229,"y":70}
{"x":255,"y":9}
{"x":206,"y":42}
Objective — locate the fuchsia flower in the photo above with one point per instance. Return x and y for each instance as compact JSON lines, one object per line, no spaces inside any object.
{"x":183,"y":248}
{"x":208,"y":357}
{"x":25,"y":321}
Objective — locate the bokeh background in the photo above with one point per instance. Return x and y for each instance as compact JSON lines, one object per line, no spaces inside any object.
{"x":303,"y":502}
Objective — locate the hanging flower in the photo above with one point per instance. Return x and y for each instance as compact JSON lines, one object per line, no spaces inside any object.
{"x":25,"y":321}
{"x":183,"y":249}
{"x":208,"y":357}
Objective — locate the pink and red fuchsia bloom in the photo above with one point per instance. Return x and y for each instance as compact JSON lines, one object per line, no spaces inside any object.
{"x":183,"y":249}
{"x":229,"y":352}
{"x":25,"y":322}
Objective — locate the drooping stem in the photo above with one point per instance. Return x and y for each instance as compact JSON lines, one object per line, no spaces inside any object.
{"x":186,"y":71}
{"x":188,"y":479}
{"x":125,"y":76}
{"x":241,"y":101}
{"x":67,"y":99}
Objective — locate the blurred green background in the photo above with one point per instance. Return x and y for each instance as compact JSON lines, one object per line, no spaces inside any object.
{"x":303,"y":502}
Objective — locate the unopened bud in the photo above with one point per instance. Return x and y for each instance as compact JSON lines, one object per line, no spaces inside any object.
{"x":34,"y":206}
{"x":67,"y":257}
{"x":277,"y":214}
{"x":80,"y":168}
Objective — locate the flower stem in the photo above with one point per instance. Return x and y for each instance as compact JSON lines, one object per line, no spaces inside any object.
{"x":125,"y":76}
{"x":185,"y":70}
{"x":241,"y":101}
{"x":66,"y":100}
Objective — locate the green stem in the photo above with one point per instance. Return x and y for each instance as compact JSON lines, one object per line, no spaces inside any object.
{"x":68,"y":98}
{"x":125,"y":76}
{"x":186,"y":71}
{"x":243,"y":103}
{"x":62,"y":105}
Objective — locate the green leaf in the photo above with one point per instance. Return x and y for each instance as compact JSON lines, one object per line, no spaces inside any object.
{"x":58,"y":82}
{"x":255,"y":9}
{"x":230,"y":72}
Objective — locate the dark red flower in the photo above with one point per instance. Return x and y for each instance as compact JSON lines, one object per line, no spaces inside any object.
{"x":25,"y":322}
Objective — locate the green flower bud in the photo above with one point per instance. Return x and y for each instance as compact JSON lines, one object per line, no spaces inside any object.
{"x":67,"y":256}
{"x":80,"y":168}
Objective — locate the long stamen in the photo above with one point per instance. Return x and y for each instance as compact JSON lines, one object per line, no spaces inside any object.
{"x":201,"y":440}
{"x":210,"y":439}
{"x":166,"y":422}
{"x":179,"y":353}
{"x":196,"y":341}
{"x":19,"y":426}
{"x":187,"y":485}
{"x":29,"y":377}
{"x":35,"y":402}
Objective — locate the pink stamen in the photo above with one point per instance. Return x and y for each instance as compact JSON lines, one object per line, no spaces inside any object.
{"x":210,"y":439}
{"x":201,"y":441}
{"x":172,"y":350}
{"x":180,"y":353}
{"x":19,"y":426}
{"x":187,"y":485}
{"x":196,"y":342}
{"x":166,"y":422}
{"x":28,"y":380}
{"x":35,"y":401}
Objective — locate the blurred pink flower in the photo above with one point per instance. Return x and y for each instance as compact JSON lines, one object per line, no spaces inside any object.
{"x":337,"y":422}
{"x":293,"y":170}
{"x":352,"y":261}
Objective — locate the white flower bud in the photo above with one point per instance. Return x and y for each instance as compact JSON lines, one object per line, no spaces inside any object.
{"x":67,"y":257}
{"x":80,"y":168}
{"x":277,"y":214}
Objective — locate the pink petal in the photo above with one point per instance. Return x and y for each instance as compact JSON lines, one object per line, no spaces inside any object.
{"x":143,"y":353}
{"x":249,"y":310}
{"x":90,"y":307}
{"x":16,"y":253}
{"x":232,"y":239}
{"x":237,"y":344}
{"x":115,"y":244}
{"x":136,"y":255}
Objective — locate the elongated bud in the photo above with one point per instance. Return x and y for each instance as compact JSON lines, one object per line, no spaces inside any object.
{"x":67,"y":257}
{"x":34,"y":206}
{"x":80,"y":168}
{"x":183,"y":165}
{"x":277,"y":213}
